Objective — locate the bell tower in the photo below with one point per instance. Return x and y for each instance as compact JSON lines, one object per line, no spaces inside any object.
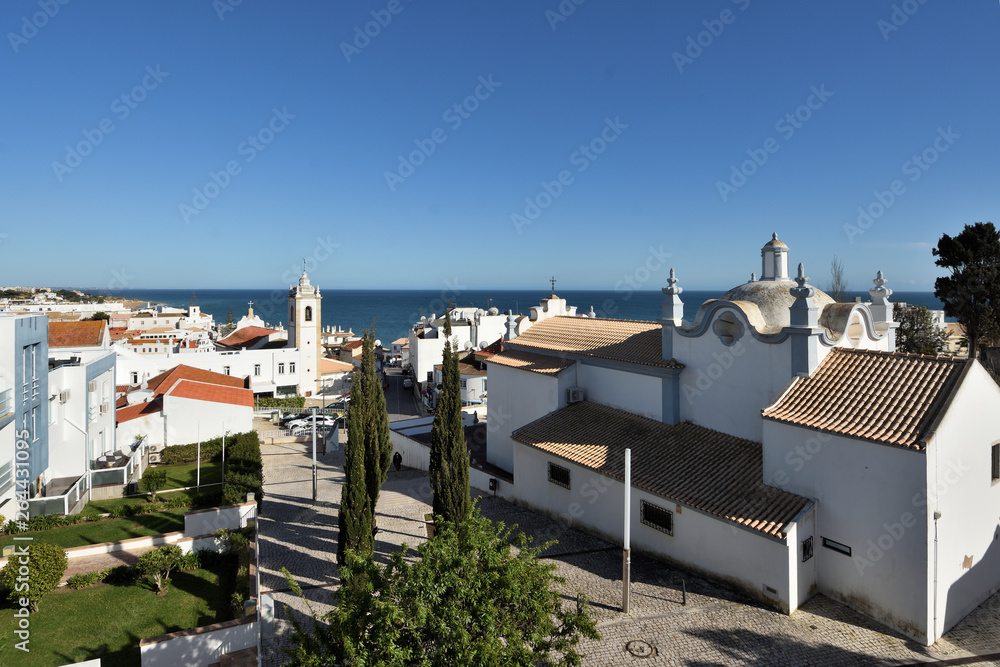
{"x":305,"y":332}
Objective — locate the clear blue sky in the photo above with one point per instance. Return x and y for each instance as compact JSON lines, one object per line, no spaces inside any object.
{"x":115,"y":216}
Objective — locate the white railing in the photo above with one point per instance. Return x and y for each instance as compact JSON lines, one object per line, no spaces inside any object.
{"x":58,"y":504}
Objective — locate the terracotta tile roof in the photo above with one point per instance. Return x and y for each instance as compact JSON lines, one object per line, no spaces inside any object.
{"x":886,"y":397}
{"x":246,"y":337}
{"x":164,"y":381}
{"x":122,"y":402}
{"x":117,"y":333}
{"x":631,"y":341}
{"x":493,"y":348}
{"x":711,"y":471}
{"x":465,"y":369}
{"x":529,"y":361}
{"x":400,"y":341}
{"x":138,"y":410}
{"x":334,"y":366}
{"x":354,"y":344}
{"x":76,"y":334}
{"x":215,"y":393}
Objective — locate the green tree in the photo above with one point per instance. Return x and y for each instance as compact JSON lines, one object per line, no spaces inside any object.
{"x":228,"y":326}
{"x":449,"y":464}
{"x":475,"y":596}
{"x":367,"y":390}
{"x":100,"y":315}
{"x":971,"y":294}
{"x":46,"y":565}
{"x":157,"y":564}
{"x":356,"y":517}
{"x":154,"y":479}
{"x":917,"y":332}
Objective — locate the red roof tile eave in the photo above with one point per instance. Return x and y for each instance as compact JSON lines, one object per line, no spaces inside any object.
{"x":919,"y":445}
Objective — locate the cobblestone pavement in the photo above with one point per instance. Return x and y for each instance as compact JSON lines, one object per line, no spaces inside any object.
{"x":716,"y":626}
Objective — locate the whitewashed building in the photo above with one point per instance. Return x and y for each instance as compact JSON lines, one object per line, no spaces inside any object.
{"x":777,"y":425}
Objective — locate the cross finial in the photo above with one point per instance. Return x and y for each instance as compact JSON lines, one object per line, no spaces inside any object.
{"x":251,"y":304}
{"x":553,"y":281}
{"x":303,"y":265}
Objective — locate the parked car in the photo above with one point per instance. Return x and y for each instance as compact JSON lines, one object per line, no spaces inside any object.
{"x":290,"y":418}
{"x":407,"y":383}
{"x":321,"y":421}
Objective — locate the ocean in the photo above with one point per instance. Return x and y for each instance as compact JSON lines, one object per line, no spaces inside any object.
{"x":393,"y":312}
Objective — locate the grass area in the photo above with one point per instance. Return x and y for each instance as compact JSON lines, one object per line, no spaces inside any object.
{"x":107,"y":506}
{"x":108,"y":530}
{"x":108,"y":621}
{"x":186,"y":474}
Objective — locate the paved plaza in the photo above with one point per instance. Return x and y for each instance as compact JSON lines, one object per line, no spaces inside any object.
{"x":716,"y":626}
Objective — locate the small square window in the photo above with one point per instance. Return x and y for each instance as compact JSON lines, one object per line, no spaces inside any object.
{"x":559,"y":475}
{"x":256,"y":369}
{"x":463,"y":383}
{"x":656,"y":517}
{"x":291,"y":367}
{"x":281,"y":368}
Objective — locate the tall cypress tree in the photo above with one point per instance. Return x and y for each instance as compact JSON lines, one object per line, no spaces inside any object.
{"x":377,"y":446}
{"x":355,"y":519}
{"x":449,"y":465}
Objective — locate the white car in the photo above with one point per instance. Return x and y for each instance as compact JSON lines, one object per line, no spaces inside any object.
{"x":321,"y":422}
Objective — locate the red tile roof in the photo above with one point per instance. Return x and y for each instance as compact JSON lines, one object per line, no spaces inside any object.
{"x":354,"y":344}
{"x":247,"y":337}
{"x":76,"y":334}
{"x":164,"y":381}
{"x":118,"y":333}
{"x":618,"y":340}
{"x":529,"y":361}
{"x":334,"y":366}
{"x":887,"y":397}
{"x":138,"y":410}
{"x":711,"y":471}
{"x":202,"y":391}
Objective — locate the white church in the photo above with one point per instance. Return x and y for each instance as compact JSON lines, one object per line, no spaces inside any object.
{"x":276,"y":363}
{"x":779,"y":444}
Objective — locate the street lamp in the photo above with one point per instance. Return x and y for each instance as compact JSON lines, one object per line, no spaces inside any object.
{"x":314,"y":450}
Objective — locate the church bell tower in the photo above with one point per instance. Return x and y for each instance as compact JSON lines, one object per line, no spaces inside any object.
{"x":305,"y":332}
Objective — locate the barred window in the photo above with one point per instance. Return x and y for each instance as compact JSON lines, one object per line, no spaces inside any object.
{"x":656,"y":517}
{"x":559,"y":475}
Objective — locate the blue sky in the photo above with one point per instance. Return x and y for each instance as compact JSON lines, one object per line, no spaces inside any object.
{"x":590,"y":140}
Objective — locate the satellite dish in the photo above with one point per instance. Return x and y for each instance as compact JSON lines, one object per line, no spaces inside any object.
{"x":483,"y":345}
{"x":378,"y":343}
{"x":468,"y":345}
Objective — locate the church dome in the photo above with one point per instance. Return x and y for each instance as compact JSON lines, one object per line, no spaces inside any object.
{"x":773,"y":299}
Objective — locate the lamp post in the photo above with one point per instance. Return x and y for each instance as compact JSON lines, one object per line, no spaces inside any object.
{"x":626,"y":550}
{"x":314,"y":450}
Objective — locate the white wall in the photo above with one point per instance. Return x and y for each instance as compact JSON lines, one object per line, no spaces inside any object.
{"x":638,"y":394}
{"x":744,"y":377}
{"x":700,"y":542}
{"x":518,"y":397}
{"x":206,"y":522}
{"x":188,"y":420}
{"x":960,"y":487}
{"x":865,"y":499}
{"x":200,"y":647}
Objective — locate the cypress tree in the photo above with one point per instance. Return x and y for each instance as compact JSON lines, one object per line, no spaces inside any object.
{"x":449,"y":465}
{"x":377,"y":446}
{"x":355,"y":518}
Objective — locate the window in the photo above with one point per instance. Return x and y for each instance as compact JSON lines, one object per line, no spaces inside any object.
{"x":559,"y":475}
{"x":463,"y":383}
{"x":309,"y":314}
{"x":6,"y":476}
{"x":836,"y":546}
{"x":225,"y":369}
{"x":996,"y":462}
{"x":6,"y":403}
{"x":34,"y":424}
{"x":135,"y":378}
{"x":291,"y":367}
{"x":291,"y":313}
{"x":656,"y":517}
{"x":807,"y":548}
{"x":281,"y":368}
{"x":256,"y":369}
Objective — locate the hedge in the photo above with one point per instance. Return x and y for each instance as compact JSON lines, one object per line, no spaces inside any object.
{"x":211,"y":450}
{"x":292,"y":402}
{"x":244,"y":470}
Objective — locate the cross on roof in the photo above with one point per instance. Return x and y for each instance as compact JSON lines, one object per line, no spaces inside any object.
{"x":553,"y":281}
{"x":251,"y":304}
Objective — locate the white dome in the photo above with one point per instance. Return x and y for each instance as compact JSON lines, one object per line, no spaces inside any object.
{"x":773,"y":299}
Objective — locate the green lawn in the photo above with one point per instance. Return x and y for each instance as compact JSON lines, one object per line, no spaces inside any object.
{"x":106,"y":506}
{"x":108,"y":530}
{"x":185,"y":474}
{"x":108,"y":621}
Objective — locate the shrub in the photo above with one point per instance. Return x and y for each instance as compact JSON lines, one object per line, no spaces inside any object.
{"x":119,"y":511}
{"x":189,"y":561}
{"x":233,"y":541}
{"x":150,"y":508}
{"x":236,"y":603}
{"x":154,"y":479}
{"x":46,"y":564}
{"x":293,"y":402}
{"x":158,"y":563}
{"x":119,"y":574}
{"x":85,"y":579}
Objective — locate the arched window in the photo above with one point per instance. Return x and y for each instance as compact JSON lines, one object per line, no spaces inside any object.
{"x":309,"y":313}
{"x":291,"y":313}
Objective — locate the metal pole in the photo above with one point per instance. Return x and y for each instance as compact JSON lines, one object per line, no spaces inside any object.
{"x":223,"y":457}
{"x":626,"y":543}
{"x":314,"y":450}
{"x":198,"y":465}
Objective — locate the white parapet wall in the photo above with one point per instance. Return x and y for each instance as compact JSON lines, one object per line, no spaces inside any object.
{"x":199,"y":647}
{"x":207,"y":521}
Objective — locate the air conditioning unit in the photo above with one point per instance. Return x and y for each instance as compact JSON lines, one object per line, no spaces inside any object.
{"x":104,"y":408}
{"x":575,"y":395}
{"x":64,"y":395}
{"x":92,"y":386}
